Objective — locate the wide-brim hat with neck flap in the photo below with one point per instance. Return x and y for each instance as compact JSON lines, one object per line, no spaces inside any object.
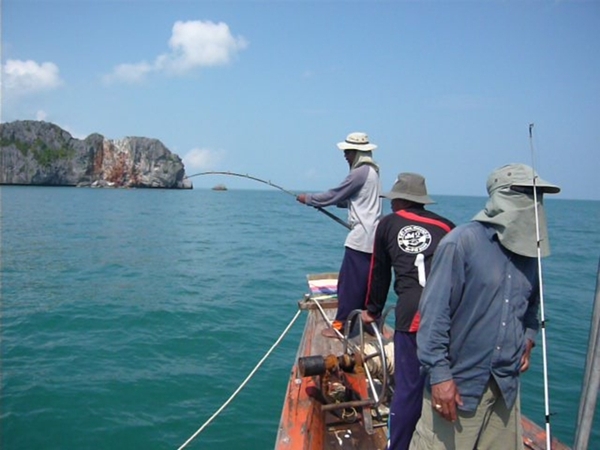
{"x":357,"y":141}
{"x":409,"y":186}
{"x":518,"y":176}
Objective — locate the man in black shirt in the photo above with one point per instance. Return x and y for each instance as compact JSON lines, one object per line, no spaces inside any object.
{"x":404,"y":242}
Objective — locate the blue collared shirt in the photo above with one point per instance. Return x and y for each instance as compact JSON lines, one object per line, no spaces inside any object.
{"x":479,"y":306}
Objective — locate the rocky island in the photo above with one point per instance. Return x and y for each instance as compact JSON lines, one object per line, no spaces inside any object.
{"x":43,"y":154}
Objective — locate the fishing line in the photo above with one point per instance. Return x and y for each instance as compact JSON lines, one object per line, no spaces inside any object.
{"x":241,"y":175}
{"x":541,"y":285}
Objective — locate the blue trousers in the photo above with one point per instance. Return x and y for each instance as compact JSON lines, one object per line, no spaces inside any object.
{"x":407,"y":401}
{"x":353,"y":282}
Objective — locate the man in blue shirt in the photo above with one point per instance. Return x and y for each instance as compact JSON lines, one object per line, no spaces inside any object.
{"x":479,"y":318}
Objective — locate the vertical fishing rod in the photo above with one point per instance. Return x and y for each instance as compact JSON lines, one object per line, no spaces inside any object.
{"x":541,"y":286}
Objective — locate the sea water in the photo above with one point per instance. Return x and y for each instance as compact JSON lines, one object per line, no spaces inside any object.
{"x":129,"y":317}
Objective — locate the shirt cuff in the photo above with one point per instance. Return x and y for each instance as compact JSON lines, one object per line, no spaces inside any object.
{"x":530,"y":334}
{"x":373,"y":311}
{"x":439,"y":374}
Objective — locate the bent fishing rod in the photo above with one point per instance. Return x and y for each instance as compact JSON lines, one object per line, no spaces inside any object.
{"x":541,"y":284}
{"x":241,"y":175}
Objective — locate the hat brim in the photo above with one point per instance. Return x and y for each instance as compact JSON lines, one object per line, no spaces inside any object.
{"x":540,"y":184}
{"x":359,"y":147}
{"x":422,"y":199}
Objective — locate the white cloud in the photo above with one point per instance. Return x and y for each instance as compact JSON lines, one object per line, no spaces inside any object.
{"x":41,"y":115}
{"x":27,"y":77}
{"x":202,"y":44}
{"x":73,"y":133}
{"x":199,"y":159}
{"x":193,"y":44}
{"x":131,"y":73}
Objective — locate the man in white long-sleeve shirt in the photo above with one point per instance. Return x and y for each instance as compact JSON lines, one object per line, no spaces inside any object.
{"x":359,"y":192}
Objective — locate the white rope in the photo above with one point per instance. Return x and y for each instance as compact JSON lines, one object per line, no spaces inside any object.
{"x":327,"y":320}
{"x":375,"y":364}
{"x":243,"y":383}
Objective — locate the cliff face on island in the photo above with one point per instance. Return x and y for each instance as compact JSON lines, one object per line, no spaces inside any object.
{"x":43,"y":154}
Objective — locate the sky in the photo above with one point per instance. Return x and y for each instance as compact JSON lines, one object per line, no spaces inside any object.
{"x":447,"y":89}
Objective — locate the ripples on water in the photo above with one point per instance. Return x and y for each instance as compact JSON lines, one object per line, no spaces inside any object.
{"x":130,"y":316}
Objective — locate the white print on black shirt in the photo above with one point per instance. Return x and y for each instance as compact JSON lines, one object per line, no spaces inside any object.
{"x":413,"y":239}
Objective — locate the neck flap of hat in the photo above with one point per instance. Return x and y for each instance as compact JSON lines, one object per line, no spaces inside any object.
{"x":362,"y":158}
{"x":512,"y":214}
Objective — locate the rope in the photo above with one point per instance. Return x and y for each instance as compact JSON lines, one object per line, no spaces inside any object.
{"x":375,"y":363}
{"x":193,"y":436}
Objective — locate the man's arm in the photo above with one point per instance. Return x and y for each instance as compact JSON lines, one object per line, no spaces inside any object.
{"x":338,"y":195}
{"x":433,"y":337}
{"x":532,"y":325}
{"x":526,"y":358}
{"x":531,"y":321}
{"x":380,"y":275}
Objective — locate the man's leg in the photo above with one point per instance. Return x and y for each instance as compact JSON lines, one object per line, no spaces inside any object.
{"x":352,"y":285}
{"x":503,"y":425}
{"x":408,"y":392}
{"x":433,"y":432}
